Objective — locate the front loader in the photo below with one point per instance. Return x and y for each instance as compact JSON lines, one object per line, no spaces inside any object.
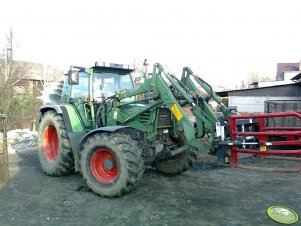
{"x":108,"y":129}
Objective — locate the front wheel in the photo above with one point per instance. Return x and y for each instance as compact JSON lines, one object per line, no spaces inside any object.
{"x":175,"y":165}
{"x":111,"y":163}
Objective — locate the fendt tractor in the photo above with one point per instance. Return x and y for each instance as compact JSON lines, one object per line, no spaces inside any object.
{"x":108,"y":129}
{"x":103,"y":130}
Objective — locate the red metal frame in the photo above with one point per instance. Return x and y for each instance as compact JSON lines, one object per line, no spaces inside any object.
{"x":292,"y":135}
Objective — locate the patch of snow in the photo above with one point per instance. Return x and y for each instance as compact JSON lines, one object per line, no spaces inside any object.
{"x":21,"y":140}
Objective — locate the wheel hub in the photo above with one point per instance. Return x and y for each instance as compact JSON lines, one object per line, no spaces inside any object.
{"x":109,"y":164}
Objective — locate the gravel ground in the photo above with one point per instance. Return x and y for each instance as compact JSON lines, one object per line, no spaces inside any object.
{"x":204,"y":195}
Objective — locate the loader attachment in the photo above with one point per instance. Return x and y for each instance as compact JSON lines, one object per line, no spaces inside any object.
{"x":260,"y":138}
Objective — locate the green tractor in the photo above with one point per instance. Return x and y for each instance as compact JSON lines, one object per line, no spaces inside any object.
{"x":108,"y":129}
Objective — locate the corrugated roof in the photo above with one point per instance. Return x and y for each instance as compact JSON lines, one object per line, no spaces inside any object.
{"x":297,"y":77}
{"x":257,"y":89}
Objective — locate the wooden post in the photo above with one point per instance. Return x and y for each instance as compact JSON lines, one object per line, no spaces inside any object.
{"x":4,"y":175}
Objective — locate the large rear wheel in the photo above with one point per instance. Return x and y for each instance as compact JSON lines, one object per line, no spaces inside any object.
{"x":55,"y":153}
{"x":111,"y":163}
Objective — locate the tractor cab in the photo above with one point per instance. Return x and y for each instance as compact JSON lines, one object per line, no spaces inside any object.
{"x":102,"y":80}
{"x":108,"y":80}
{"x":87,"y":88}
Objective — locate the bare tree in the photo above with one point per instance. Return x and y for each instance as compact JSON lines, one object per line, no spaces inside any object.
{"x":243,"y":85}
{"x":6,"y":71}
{"x":11,"y":72}
{"x":253,"y":78}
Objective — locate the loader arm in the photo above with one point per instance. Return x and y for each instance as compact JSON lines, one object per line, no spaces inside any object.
{"x":160,"y":92}
{"x":187,"y":81}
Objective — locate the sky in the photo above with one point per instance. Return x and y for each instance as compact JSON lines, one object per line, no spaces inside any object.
{"x":221,"y":41}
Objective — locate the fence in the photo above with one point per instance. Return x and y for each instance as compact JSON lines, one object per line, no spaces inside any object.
{"x":4,"y":176}
{"x":274,"y":106}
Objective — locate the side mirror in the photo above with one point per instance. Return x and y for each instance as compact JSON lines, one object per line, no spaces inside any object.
{"x":73,"y":77}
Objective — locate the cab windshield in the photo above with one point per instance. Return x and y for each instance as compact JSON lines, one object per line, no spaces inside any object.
{"x":108,"y":83}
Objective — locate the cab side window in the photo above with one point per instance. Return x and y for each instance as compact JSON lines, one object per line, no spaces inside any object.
{"x":82,"y":89}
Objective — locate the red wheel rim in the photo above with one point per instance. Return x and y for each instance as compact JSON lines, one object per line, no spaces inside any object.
{"x":50,"y":143}
{"x":104,"y":166}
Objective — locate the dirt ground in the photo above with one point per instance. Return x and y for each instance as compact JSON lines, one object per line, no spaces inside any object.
{"x":204,"y":195}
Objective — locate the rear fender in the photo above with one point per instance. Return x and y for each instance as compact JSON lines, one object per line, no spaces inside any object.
{"x":72,"y":120}
{"x":46,"y":108}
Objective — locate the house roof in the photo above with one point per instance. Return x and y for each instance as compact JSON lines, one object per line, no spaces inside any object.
{"x":36,"y":71}
{"x":285,"y":67}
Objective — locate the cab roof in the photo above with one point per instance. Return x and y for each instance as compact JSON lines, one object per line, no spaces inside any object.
{"x":103,"y":69}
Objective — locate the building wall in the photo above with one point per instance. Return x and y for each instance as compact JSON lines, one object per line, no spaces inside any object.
{"x":254,"y":104}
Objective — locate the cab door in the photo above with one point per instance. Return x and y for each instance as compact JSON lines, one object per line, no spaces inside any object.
{"x":79,"y":98}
